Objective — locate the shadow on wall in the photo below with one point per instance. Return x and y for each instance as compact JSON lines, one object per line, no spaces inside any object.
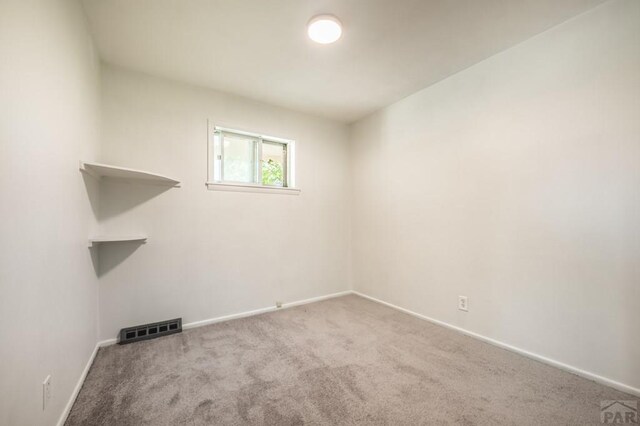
{"x":92,"y":185}
{"x":123,"y":195}
{"x":105,"y":257}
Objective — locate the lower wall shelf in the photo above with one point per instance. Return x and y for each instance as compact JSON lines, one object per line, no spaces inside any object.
{"x":116,"y":239}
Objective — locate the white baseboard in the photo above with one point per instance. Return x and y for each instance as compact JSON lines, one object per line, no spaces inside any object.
{"x":262,"y":310}
{"x":76,"y":390}
{"x":596,"y":378}
{"x":108,"y":342}
{"x":577,"y":371}
{"x":316,"y":299}
{"x":259,"y":311}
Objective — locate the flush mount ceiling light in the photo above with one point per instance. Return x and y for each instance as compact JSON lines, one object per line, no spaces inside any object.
{"x":324,"y":29}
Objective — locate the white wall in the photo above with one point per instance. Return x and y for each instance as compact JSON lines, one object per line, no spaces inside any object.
{"x":49,"y":116}
{"x":214,"y":253}
{"x":516,"y":183}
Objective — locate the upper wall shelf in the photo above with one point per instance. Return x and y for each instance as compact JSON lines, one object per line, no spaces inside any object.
{"x":99,"y":171}
{"x":117,"y":239}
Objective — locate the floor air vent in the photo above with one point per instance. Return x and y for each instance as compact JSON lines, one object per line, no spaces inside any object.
{"x":150,"y":331}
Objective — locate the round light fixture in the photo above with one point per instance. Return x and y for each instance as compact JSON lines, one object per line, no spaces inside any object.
{"x":324,"y":29}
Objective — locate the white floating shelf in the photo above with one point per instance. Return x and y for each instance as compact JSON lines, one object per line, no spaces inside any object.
{"x":100,"y":171}
{"x":117,"y":239}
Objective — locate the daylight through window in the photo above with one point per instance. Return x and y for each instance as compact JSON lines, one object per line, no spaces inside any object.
{"x":238,"y":157}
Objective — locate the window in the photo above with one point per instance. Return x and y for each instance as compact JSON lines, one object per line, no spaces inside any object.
{"x":240,"y":159}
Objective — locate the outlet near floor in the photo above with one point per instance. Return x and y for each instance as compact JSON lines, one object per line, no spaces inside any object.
{"x":463,"y":303}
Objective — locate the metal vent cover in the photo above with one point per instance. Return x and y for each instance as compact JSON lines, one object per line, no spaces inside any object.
{"x":150,"y":331}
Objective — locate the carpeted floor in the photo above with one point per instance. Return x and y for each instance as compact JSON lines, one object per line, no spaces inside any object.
{"x":341,"y":361}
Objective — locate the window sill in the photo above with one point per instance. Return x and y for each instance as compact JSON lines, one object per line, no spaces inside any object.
{"x":242,"y":187}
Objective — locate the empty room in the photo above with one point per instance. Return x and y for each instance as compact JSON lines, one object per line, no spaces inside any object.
{"x":320,"y":212}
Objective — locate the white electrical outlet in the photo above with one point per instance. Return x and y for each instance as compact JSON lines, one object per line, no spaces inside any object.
{"x":46,"y":391}
{"x":463,"y":303}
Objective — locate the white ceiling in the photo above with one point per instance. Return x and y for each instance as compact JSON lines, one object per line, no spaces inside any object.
{"x":259,"y":49}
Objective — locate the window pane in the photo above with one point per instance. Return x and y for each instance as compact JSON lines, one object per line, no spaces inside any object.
{"x":274,"y":162}
{"x":239,"y":158}
{"x":217,"y":157}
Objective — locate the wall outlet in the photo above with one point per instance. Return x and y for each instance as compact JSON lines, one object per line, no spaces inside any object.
{"x":46,"y":392}
{"x":278,"y":304}
{"x":463,"y":303}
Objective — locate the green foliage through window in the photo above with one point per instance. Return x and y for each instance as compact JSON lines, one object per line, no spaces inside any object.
{"x":272,"y":173}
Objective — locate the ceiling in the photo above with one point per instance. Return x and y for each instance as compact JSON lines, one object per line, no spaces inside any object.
{"x":259,"y":49}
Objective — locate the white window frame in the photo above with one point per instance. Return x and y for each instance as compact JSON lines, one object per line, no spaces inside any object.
{"x":290,"y":171}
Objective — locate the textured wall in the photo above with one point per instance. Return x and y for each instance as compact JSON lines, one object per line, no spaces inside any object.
{"x":516,"y":183}
{"x":49,"y":117}
{"x":213,"y":253}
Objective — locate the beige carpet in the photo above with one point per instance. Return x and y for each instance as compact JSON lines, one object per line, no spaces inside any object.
{"x":341,"y":361}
